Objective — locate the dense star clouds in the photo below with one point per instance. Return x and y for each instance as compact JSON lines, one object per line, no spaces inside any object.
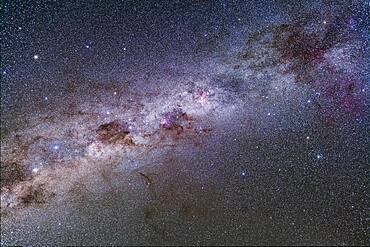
{"x":185,"y":122}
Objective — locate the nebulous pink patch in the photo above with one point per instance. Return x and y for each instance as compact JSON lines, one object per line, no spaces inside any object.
{"x":342,"y":94}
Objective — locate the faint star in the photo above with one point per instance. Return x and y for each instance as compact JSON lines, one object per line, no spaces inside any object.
{"x":36,"y":56}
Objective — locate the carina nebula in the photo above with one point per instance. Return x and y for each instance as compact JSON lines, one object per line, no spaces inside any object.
{"x":185,"y":122}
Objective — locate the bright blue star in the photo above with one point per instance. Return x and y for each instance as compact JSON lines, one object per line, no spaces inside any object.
{"x":244,"y":173}
{"x":319,"y":156}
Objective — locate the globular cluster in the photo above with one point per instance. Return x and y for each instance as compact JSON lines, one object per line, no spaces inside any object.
{"x":185,"y":123}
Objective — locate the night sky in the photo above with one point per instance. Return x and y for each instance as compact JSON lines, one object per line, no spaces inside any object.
{"x":185,"y":122}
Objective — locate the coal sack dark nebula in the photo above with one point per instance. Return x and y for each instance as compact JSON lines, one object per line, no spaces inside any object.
{"x":185,"y":122}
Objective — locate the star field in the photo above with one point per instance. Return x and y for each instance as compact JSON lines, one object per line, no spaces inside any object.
{"x":196,"y":122}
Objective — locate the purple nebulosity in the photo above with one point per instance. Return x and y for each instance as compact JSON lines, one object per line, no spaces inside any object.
{"x":172,"y":118}
{"x":202,"y":96}
{"x":341,"y":93}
